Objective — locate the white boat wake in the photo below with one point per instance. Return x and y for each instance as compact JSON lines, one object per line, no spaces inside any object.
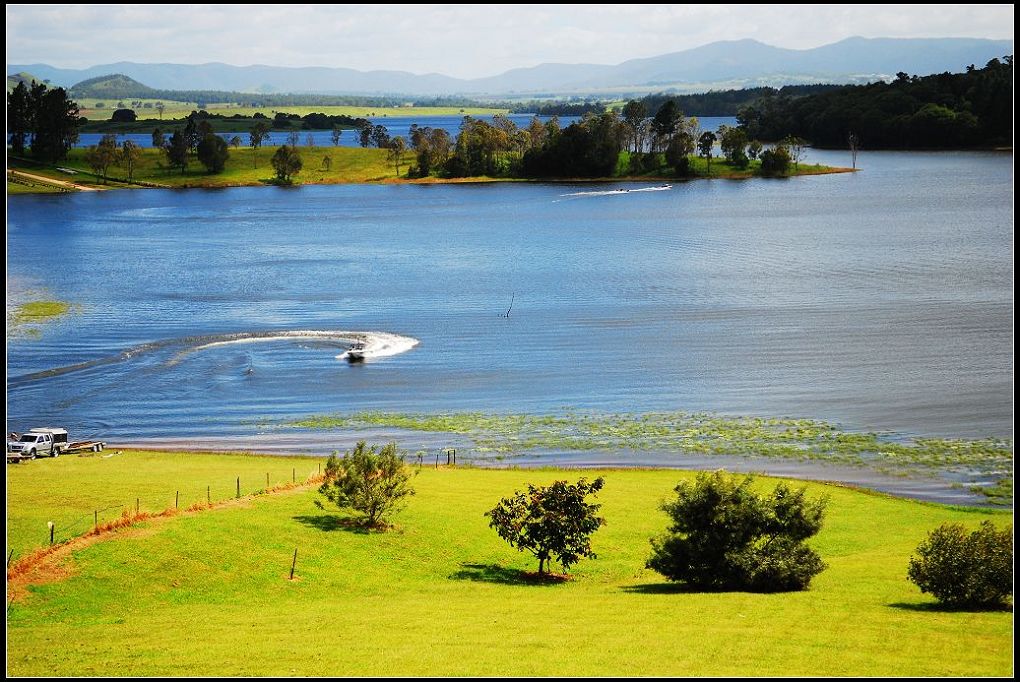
{"x":610,"y":192}
{"x":377,"y":344}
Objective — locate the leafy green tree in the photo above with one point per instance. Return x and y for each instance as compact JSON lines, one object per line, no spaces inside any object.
{"x":550,"y":521}
{"x":396,"y":152}
{"x":19,"y":118}
{"x":775,"y":161}
{"x":965,"y":570}
{"x":213,"y":153}
{"x":55,"y":123}
{"x":733,"y":142}
{"x":124,"y":116}
{"x":129,"y":158}
{"x":256,"y":136}
{"x":235,"y":141}
{"x":796,"y":146}
{"x":370,"y":482}
{"x":634,"y":114}
{"x":160,"y":107}
{"x":100,"y":157}
{"x":158,"y":139}
{"x":286,"y":163}
{"x":679,"y":151}
{"x":724,"y":536}
{"x":705,"y":144}
{"x":380,"y":136}
{"x":176,"y":150}
{"x":337,"y":131}
{"x":665,"y":123}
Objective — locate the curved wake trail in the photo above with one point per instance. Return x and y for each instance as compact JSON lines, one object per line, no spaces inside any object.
{"x":377,"y":345}
{"x":611,"y":192}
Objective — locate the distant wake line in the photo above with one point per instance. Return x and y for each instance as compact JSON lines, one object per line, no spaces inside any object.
{"x":377,"y":345}
{"x":609,"y":192}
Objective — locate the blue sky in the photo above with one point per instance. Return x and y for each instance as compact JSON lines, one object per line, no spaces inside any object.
{"x":466,"y":41}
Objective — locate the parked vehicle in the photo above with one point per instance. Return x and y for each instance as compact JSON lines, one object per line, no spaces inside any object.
{"x":46,"y":441}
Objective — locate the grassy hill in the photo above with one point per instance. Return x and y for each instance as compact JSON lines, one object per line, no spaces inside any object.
{"x":21,"y":77}
{"x":114,"y":86}
{"x":208,"y":593}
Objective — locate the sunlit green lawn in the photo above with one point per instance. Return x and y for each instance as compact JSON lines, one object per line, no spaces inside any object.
{"x":208,"y":594}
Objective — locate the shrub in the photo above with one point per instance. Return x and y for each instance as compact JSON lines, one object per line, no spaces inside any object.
{"x":964,"y":569}
{"x":366,"y":481}
{"x":550,"y":521}
{"x":775,"y":161}
{"x":724,"y":536}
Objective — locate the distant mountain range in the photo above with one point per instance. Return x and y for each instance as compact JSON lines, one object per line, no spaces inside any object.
{"x":739,"y":63}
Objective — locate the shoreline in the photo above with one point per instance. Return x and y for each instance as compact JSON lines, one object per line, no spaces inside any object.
{"x":920,"y":488}
{"x":70,"y":187}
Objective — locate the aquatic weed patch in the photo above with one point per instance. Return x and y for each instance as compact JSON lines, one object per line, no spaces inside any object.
{"x":697,"y":433}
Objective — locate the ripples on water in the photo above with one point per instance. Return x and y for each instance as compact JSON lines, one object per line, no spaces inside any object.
{"x":880,"y":300}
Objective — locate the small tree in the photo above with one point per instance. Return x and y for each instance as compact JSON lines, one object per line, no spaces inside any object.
{"x":965,"y":570}
{"x":775,"y":161}
{"x":213,"y":153}
{"x":370,"y":482}
{"x":724,"y":536}
{"x":550,"y":521}
{"x":335,"y":136}
{"x":176,"y":149}
{"x":158,"y":139}
{"x":287,"y":163}
{"x":796,"y":146}
{"x":129,"y":158}
{"x":256,"y":136}
{"x":396,"y":152}
{"x":705,"y":144}
{"x":102,"y":156}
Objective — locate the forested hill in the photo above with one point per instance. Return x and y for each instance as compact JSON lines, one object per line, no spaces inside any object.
{"x":946,"y":110}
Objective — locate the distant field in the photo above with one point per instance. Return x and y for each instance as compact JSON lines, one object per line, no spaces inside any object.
{"x":244,"y":167}
{"x":180,"y":109}
{"x":442,"y":595}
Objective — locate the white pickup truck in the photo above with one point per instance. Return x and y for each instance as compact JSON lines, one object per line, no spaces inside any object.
{"x":48,"y":441}
{"x":32,"y":444}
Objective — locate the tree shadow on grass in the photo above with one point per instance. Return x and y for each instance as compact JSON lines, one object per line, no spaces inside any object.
{"x":328,"y":523}
{"x":673,"y":588}
{"x":501,"y":575}
{"x":936,"y":607}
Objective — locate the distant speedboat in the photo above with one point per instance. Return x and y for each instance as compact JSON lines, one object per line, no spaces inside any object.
{"x":356,"y":353}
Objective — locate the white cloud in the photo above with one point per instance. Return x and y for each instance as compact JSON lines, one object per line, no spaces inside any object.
{"x":459,"y":40}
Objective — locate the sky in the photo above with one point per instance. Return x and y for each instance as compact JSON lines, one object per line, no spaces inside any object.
{"x":465,"y":41}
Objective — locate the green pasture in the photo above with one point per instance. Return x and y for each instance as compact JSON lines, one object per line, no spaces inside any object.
{"x":441,"y":594}
{"x":173,"y":110}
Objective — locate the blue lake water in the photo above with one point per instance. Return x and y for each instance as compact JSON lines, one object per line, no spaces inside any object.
{"x":881,"y":300}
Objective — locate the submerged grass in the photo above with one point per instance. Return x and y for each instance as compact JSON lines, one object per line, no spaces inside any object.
{"x":698,"y":434}
{"x":25,"y":319}
{"x":442,"y":595}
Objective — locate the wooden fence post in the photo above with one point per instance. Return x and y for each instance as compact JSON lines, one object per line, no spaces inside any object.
{"x":294,"y":564}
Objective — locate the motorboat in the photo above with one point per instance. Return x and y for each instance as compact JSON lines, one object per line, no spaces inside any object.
{"x":356,"y":353}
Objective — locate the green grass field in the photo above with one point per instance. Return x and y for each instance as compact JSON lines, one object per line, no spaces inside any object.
{"x":244,"y":168}
{"x":180,"y":109}
{"x":208,"y":593}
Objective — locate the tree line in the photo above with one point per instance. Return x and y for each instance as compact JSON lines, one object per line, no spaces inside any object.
{"x":44,"y":121}
{"x":946,"y":110}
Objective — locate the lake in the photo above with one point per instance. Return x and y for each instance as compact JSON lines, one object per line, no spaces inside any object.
{"x":880,"y":301}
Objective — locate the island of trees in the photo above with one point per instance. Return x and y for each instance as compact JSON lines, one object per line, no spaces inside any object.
{"x":970,"y":109}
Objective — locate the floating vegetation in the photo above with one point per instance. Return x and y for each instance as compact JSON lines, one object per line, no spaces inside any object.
{"x":25,"y":318}
{"x":987,"y":459}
